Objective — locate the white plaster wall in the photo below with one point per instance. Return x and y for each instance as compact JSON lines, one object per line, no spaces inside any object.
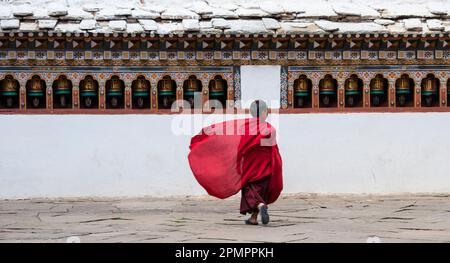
{"x":137,"y":155}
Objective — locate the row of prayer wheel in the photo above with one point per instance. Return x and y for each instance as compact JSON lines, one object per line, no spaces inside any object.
{"x":353,"y":90}
{"x":114,"y":92}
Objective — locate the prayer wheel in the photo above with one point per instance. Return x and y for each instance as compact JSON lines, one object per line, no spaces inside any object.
{"x":352,"y":90}
{"x":327,"y":90}
{"x":115,"y":92}
{"x":166,"y":89}
{"x":88,"y":91}
{"x":328,"y":86}
{"x":302,"y":89}
{"x":166,"y":92}
{"x":62,"y":89}
{"x":141,"y":91}
{"x":430,"y":87}
{"x":36,"y":91}
{"x":403,"y":90}
{"x":404,"y":86}
{"x":217,"y":87}
{"x":377,"y":90}
{"x":429,"y":90}
{"x":9,"y":90}
{"x":191,"y":86}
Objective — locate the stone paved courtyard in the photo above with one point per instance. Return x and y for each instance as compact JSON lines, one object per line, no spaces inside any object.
{"x":294,"y":218}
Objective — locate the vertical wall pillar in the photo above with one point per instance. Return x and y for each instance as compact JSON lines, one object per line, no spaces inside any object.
{"x":49,"y":94}
{"x":76,"y":94}
{"x":23,"y":94}
{"x":315,"y":93}
{"x":127,"y":95}
{"x":154,"y":93}
{"x":366,"y":93}
{"x":391,"y":93}
{"x":101,"y":94}
{"x":443,"y":93}
{"x":205,"y":95}
{"x":341,"y":94}
{"x":417,"y":93}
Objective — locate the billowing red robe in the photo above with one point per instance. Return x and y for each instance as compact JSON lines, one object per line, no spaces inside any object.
{"x":227,"y":156}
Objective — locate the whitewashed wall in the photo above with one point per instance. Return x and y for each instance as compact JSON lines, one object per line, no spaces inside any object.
{"x":144,"y":155}
{"x":137,"y":155}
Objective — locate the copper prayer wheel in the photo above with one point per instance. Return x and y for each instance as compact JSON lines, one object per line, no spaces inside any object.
{"x":377,"y":86}
{"x":166,"y":86}
{"x":328,"y":86}
{"x":36,"y":87}
{"x":62,"y":86}
{"x":192,"y":86}
{"x":9,"y":86}
{"x":352,"y":86}
{"x":140,"y":88}
{"x":403,"y":85}
{"x":115,"y":87}
{"x":429,"y":86}
{"x":217,"y":87}
{"x":88,"y":88}
{"x":302,"y":87}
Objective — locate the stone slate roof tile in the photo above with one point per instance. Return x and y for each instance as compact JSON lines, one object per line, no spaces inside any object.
{"x":143,"y":14}
{"x":47,"y":24}
{"x":148,"y":24}
{"x":10,"y":24}
{"x":28,"y":26}
{"x":68,"y":28}
{"x":118,"y":25}
{"x":227,"y":16}
{"x":134,"y":28}
{"x":191,"y":25}
{"x":88,"y":24}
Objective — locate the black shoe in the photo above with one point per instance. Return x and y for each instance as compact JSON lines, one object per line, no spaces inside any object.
{"x":248,"y":222}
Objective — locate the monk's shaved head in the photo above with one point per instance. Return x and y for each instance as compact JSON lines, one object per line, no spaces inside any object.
{"x":258,"y":109}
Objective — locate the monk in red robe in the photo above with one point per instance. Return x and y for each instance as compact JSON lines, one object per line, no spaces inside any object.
{"x":240,"y":155}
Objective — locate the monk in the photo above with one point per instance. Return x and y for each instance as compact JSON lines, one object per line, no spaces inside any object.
{"x":240,"y":155}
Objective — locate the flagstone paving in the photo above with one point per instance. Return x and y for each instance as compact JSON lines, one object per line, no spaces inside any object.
{"x":294,"y":218}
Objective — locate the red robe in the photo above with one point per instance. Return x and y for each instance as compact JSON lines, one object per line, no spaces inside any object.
{"x":227,"y":156}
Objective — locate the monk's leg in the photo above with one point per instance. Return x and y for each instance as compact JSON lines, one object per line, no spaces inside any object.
{"x":252,"y":199}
